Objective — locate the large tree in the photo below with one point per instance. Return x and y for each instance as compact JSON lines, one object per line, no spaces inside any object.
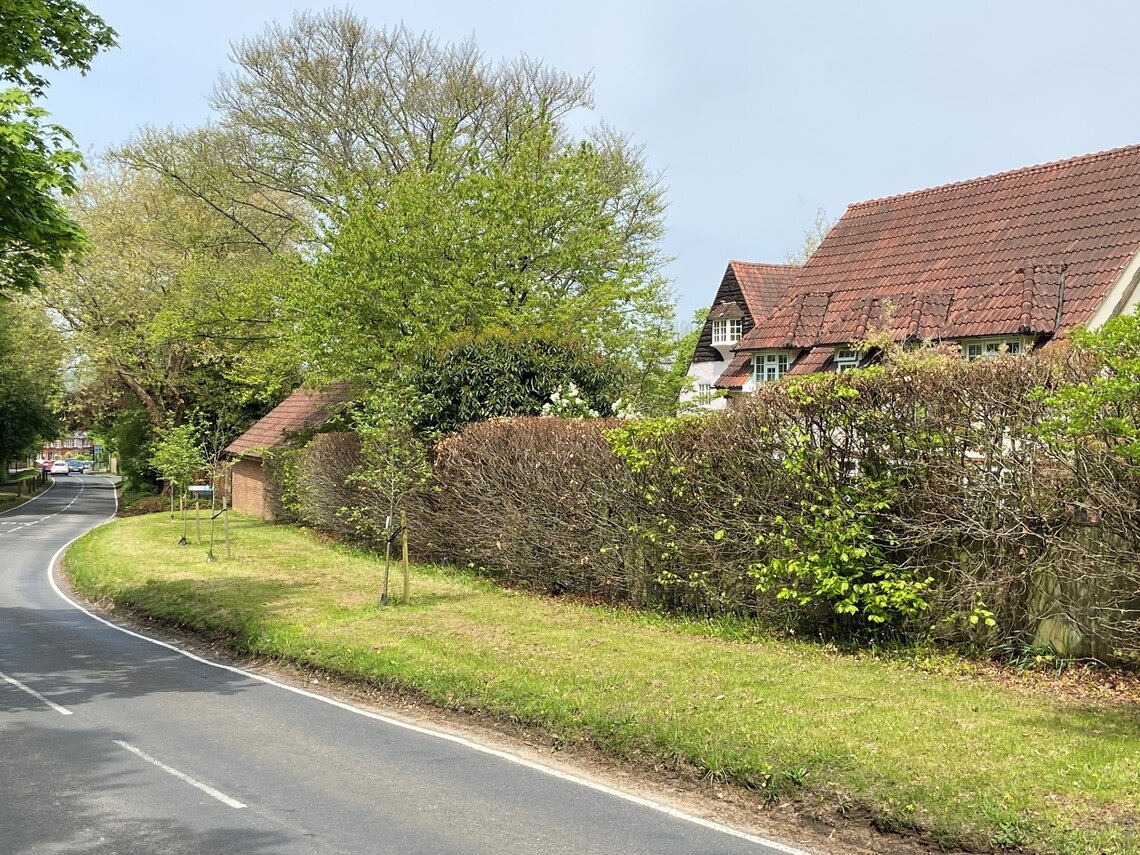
{"x":172,"y":306}
{"x":439,"y":192}
{"x":31,"y":359}
{"x":38,"y":159}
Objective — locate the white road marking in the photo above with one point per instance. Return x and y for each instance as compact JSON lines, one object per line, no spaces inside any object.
{"x":32,"y":499}
{"x":15,"y":525}
{"x":182,"y":776}
{"x":35,"y":694}
{"x":775,"y":845}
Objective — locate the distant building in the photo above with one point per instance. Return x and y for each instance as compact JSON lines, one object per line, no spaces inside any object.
{"x":73,"y":445}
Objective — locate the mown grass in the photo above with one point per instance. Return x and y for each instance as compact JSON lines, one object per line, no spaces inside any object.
{"x":966,"y":763}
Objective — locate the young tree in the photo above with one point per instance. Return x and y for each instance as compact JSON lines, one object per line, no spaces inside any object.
{"x":38,"y":159}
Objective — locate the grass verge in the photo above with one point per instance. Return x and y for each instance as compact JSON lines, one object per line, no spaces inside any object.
{"x":21,"y":487}
{"x":968,"y":764}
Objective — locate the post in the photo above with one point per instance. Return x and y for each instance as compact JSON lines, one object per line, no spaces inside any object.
{"x":197,"y":521}
{"x":226,"y":519}
{"x":404,"y":547}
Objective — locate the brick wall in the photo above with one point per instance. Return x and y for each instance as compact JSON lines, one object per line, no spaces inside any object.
{"x":248,"y":488}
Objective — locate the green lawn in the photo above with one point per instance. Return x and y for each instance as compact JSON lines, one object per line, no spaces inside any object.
{"x":967,"y":762}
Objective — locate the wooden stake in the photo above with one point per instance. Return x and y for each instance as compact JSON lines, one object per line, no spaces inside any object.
{"x":404,"y":547}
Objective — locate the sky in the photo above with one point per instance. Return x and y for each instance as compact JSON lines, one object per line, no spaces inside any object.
{"x":758,"y":114}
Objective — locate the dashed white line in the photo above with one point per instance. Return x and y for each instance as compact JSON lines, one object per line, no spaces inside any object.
{"x":35,"y":694}
{"x":182,"y":776}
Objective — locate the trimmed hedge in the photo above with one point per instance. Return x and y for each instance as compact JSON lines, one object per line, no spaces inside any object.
{"x":934,"y":496}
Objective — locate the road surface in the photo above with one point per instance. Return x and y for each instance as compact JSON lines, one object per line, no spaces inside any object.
{"x":114,"y":743}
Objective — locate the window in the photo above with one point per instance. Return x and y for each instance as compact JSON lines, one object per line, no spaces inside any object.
{"x":992,"y":347}
{"x":769,"y":367}
{"x":727,"y":331}
{"x":845,"y":360}
{"x":704,"y":392}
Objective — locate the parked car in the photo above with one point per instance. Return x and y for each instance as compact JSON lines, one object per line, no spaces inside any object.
{"x":60,"y":467}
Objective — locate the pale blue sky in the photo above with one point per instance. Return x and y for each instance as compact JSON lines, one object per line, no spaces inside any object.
{"x":759,"y":113}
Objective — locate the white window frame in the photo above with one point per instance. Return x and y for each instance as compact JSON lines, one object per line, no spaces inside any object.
{"x":988,"y":348}
{"x":776,"y":364}
{"x":846,"y":359}
{"x":727,"y":331}
{"x":705,"y":392}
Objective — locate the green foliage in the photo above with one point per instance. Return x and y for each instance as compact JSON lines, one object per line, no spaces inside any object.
{"x":473,"y":377}
{"x":48,"y":34}
{"x":38,"y":160}
{"x":177,"y":454}
{"x":831,"y":549}
{"x":1102,"y":407}
{"x":29,"y":380}
{"x":528,"y":239}
{"x":128,"y":433}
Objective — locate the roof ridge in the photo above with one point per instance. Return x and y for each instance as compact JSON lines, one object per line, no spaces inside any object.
{"x":766,"y":264}
{"x":996,"y":176}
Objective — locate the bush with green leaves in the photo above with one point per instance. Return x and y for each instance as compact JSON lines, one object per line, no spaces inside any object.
{"x":474,"y":377}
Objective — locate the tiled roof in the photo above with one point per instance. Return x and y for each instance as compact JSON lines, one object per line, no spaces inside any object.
{"x":737,"y":372}
{"x":816,"y":359}
{"x":763,"y":284}
{"x":301,"y":411}
{"x":1033,"y":251}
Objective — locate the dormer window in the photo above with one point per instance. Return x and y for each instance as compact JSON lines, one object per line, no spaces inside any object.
{"x":727,"y":331}
{"x":990,"y":347}
{"x":846,"y":360}
{"x":770,"y":366}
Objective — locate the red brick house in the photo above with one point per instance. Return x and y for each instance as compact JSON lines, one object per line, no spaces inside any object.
{"x":304,"y":410}
{"x":997,"y":264}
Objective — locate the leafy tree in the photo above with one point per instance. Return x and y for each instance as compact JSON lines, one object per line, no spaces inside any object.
{"x":813,"y":237}
{"x":1101,"y":410}
{"x":30,"y":362}
{"x":172,"y":306}
{"x":38,"y":159}
{"x":438,"y":193}
{"x":473,"y":377}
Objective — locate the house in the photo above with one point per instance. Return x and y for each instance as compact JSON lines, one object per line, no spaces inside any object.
{"x":997,"y":264}
{"x":747,"y":291}
{"x":251,"y":483}
{"x":77,"y":444}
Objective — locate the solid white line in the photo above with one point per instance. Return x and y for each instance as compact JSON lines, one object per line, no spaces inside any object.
{"x":458,"y":740}
{"x":182,"y":776}
{"x":32,"y":499}
{"x":35,"y":694}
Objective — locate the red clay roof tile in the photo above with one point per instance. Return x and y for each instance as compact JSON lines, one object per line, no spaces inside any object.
{"x":303,"y":410}
{"x":1033,"y":251}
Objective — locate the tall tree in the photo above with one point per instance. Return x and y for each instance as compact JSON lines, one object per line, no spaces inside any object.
{"x":31,"y":359}
{"x":440,"y":193}
{"x":172,"y":305}
{"x":38,"y":159}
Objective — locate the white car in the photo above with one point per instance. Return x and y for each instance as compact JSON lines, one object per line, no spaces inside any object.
{"x":59,"y":467}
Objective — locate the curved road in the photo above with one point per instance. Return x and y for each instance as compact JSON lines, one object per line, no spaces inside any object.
{"x":114,"y":743}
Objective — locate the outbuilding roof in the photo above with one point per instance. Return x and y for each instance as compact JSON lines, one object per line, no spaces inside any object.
{"x":305,"y":409}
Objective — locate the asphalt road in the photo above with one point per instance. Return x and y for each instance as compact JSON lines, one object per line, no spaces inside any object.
{"x":114,"y":743}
